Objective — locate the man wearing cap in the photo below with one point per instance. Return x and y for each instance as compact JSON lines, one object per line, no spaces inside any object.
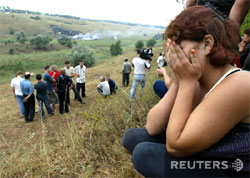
{"x":15,"y":85}
{"x":28,"y":98}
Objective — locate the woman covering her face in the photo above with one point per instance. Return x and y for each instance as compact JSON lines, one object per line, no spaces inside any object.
{"x":201,"y":126}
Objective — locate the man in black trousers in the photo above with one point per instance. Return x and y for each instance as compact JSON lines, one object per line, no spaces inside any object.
{"x":63,"y":85}
{"x":28,"y":98}
{"x":126,"y":70}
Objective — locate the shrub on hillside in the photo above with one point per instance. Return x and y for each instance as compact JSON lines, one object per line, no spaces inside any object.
{"x":35,"y":17}
{"x":8,"y":42}
{"x":11,"y":31}
{"x":40,"y":41}
{"x":80,"y":52}
{"x":151,"y":43}
{"x":116,"y":49}
{"x":139,"y":44}
{"x":158,"y":36}
{"x":65,"y":41}
{"x":11,"y":51}
{"x":21,"y":37}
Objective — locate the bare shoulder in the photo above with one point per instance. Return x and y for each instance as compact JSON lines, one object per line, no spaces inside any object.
{"x":239,"y":79}
{"x":231,"y":95}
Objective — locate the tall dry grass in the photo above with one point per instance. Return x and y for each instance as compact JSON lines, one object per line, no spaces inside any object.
{"x":88,"y":141}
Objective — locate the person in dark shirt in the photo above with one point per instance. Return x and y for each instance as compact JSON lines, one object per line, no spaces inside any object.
{"x":244,"y":47}
{"x":126,"y":70}
{"x":42,"y":95}
{"x":53,"y":98}
{"x":63,"y":85}
{"x":113,"y":87}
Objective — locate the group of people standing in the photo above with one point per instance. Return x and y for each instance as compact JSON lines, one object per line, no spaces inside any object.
{"x":53,"y":87}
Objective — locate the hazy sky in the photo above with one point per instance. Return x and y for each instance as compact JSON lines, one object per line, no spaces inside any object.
{"x":152,"y":12}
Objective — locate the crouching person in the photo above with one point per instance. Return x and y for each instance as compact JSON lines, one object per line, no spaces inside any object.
{"x":103,"y":87}
{"x":42,"y":95}
{"x":112,"y":85}
{"x":63,"y":85}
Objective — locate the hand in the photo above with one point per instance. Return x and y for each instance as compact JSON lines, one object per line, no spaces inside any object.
{"x":241,"y":45}
{"x":25,"y":100}
{"x":161,"y":71}
{"x":173,"y":78}
{"x":185,"y":69}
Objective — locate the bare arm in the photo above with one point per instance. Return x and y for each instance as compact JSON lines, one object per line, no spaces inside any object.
{"x":13,"y":90}
{"x":190,"y":3}
{"x":158,"y":116}
{"x":239,"y":11}
{"x":162,"y":72}
{"x":191,"y":131}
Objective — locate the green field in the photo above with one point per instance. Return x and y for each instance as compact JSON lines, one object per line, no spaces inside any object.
{"x":36,"y":60}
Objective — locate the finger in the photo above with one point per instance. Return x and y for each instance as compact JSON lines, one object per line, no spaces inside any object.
{"x":179,"y":52}
{"x":172,"y":52}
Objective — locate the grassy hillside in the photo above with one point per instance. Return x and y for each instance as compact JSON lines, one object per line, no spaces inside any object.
{"x":36,"y":60}
{"x":31,"y":27}
{"x":84,"y":143}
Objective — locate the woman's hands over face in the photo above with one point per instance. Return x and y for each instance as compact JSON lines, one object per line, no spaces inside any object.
{"x":173,"y":78}
{"x":185,"y":69}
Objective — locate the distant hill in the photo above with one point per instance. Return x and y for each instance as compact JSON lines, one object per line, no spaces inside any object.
{"x":53,"y":25}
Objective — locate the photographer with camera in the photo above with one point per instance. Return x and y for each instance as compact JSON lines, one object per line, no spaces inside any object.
{"x":140,"y":63}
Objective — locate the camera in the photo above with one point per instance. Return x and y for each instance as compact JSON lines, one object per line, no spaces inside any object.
{"x":146,"y":53}
{"x":220,"y":10}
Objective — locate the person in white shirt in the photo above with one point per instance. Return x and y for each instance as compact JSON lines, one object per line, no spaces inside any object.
{"x":161,"y":61}
{"x":80,"y":78}
{"x":103,"y":87}
{"x":15,"y":85}
{"x":140,"y":65}
{"x":70,"y":71}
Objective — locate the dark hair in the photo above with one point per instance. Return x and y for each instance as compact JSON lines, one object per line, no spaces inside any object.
{"x":19,"y":73}
{"x":107,"y":75}
{"x":138,"y":51}
{"x":126,"y":60}
{"x":46,"y":67}
{"x":196,"y":22}
{"x":38,"y":76}
{"x":62,"y":71}
{"x":67,"y":62}
{"x":27,"y":76}
{"x":247,"y":31}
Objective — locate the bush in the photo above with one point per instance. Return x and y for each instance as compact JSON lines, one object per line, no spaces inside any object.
{"x":21,"y":37}
{"x":245,"y":24}
{"x":11,"y":31}
{"x":36,"y":18}
{"x":80,"y":52}
{"x":65,"y":41}
{"x":11,"y":51}
{"x":151,"y":43}
{"x":158,"y":36}
{"x":40,"y":41}
{"x":116,"y":49}
{"x":139,"y":44}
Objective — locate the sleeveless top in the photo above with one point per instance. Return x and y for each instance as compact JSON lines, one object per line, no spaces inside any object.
{"x":235,"y":144}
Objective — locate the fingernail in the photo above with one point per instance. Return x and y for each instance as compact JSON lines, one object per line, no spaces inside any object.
{"x":192,"y":51}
